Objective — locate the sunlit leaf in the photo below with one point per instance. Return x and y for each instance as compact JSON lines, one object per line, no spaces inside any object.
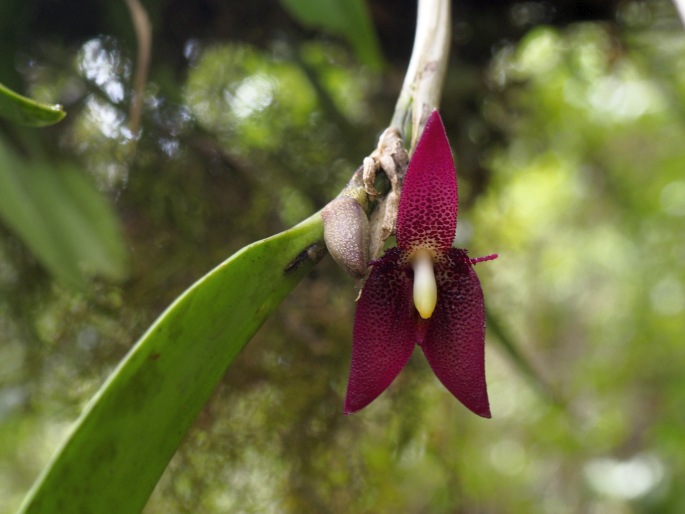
{"x":347,"y":18}
{"x":25,"y":111}
{"x":130,"y":430}
{"x":68,"y":224}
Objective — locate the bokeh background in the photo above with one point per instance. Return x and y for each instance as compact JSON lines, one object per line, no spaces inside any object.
{"x":568,"y":126}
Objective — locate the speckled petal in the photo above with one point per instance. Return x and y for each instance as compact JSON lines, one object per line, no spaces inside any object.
{"x":455,"y":341}
{"x":427,"y":214}
{"x":384,"y":331}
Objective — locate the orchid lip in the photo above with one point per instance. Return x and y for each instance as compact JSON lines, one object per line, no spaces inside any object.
{"x":425,"y":287}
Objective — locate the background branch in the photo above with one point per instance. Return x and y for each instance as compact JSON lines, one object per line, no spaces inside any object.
{"x":143,"y":28}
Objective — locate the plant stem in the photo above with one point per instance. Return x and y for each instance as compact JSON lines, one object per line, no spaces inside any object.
{"x":420,"y":94}
{"x":425,"y":75}
{"x":680,"y":7}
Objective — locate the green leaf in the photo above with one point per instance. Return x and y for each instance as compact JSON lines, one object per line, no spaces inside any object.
{"x":66,"y":222}
{"x":25,"y":111}
{"x":133,"y":426}
{"x":347,"y":18}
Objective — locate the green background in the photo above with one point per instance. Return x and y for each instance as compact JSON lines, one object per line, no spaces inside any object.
{"x":567,"y":126}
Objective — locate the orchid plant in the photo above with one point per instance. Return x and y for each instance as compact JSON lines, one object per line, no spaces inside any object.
{"x":423,"y":291}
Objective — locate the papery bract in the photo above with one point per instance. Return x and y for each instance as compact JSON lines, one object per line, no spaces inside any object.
{"x":423,"y":291}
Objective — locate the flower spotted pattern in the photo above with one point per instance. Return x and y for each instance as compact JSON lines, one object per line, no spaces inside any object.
{"x":423,"y":291}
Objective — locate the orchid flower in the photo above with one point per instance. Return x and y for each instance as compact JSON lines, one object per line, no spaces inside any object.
{"x":423,"y":291}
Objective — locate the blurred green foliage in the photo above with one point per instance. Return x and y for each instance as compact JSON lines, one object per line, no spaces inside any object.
{"x":347,"y":18}
{"x":62,"y":218}
{"x":570,"y":156}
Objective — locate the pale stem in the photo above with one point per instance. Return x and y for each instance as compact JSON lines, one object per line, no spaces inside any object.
{"x":680,"y":7}
{"x":425,"y":75}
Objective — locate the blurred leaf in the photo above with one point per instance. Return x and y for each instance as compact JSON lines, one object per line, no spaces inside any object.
{"x":25,"y":111}
{"x":130,"y":430}
{"x":347,"y":18}
{"x":521,"y":360}
{"x":62,"y":218}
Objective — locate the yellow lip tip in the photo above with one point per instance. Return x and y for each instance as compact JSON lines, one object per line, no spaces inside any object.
{"x":425,"y":287}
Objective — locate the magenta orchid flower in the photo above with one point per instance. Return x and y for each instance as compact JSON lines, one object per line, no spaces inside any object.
{"x":423,"y":291}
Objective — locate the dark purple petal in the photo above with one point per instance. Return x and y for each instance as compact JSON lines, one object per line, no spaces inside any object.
{"x":455,"y":342}
{"x":427,"y":213}
{"x":384,"y":331}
